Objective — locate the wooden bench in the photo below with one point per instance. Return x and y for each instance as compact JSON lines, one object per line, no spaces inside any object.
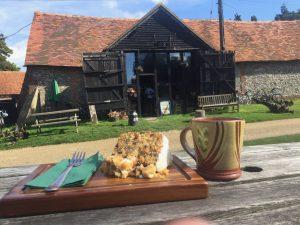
{"x":214,"y":101}
{"x":57,"y":117}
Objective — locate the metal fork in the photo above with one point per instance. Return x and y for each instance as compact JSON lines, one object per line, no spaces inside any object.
{"x":76,"y":160}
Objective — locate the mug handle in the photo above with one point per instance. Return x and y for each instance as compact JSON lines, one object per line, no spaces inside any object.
{"x":184,"y":143}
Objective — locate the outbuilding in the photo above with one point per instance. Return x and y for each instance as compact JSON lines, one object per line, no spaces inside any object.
{"x":159,"y":60}
{"x":11,"y":83}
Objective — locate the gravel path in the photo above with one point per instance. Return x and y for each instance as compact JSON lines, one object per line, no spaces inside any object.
{"x":53,"y":153}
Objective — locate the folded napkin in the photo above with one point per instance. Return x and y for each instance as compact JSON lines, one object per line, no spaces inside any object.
{"x":78,"y":176}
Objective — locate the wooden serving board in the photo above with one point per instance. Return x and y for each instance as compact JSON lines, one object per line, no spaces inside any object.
{"x":183,"y":183}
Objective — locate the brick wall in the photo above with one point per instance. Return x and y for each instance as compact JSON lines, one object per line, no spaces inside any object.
{"x":70,"y":81}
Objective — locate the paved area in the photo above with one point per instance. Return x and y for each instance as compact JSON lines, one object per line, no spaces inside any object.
{"x":53,"y":153}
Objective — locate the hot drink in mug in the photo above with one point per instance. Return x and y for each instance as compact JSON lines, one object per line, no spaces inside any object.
{"x":217,"y":146}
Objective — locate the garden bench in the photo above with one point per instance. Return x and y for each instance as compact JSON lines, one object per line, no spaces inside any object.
{"x":56,"y":118}
{"x":214,"y":101}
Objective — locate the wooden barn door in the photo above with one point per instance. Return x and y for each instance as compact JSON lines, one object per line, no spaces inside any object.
{"x":217,"y":73}
{"x":105,"y":80}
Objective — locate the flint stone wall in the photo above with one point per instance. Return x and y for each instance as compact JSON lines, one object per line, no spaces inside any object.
{"x":255,"y":76}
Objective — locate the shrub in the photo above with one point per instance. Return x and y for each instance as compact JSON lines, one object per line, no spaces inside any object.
{"x":117,"y":115}
{"x":274,"y":100}
{"x":13,"y":134}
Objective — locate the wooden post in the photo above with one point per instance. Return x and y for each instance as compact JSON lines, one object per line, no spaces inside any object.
{"x":221,"y":25}
{"x":124,"y":81}
{"x":38,"y":128}
{"x":157,"y":101}
{"x":199,"y":113}
{"x":93,"y":114}
{"x":184,"y":87}
{"x":76,"y":123}
{"x":169,"y":82}
{"x":137,"y":59}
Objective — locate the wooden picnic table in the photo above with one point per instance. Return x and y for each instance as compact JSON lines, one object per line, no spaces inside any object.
{"x":271,"y":196}
{"x":57,"y":118}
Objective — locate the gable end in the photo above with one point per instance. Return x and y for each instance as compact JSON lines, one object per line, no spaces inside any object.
{"x":159,"y":29}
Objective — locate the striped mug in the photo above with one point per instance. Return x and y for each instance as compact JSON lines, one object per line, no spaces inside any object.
{"x":217,"y":146}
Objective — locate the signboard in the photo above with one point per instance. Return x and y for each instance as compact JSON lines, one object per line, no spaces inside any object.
{"x":93,"y":114}
{"x":165,"y":107}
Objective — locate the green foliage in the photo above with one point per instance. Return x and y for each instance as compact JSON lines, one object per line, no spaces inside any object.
{"x":287,"y":15}
{"x":253,"y":18}
{"x":237,"y":17}
{"x":274,"y":140}
{"x":5,"y":52}
{"x":14,"y":134}
{"x":274,"y":100}
{"x":117,"y":115}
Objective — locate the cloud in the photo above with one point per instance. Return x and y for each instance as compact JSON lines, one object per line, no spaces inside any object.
{"x":3,"y":15}
{"x":18,"y":42}
{"x":19,"y":52}
{"x":112,"y":4}
{"x":126,"y":14}
{"x":115,"y":10}
{"x":160,"y":1}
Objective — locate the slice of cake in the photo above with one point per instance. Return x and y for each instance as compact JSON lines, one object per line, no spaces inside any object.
{"x":142,"y":155}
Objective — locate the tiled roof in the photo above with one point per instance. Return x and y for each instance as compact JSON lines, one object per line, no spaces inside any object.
{"x":60,"y":40}
{"x":11,"y":82}
{"x":254,"y":41}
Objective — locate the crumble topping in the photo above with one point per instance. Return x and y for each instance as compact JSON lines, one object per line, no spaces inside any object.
{"x":136,"y":155}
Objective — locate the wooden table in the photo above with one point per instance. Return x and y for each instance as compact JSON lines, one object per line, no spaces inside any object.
{"x":57,"y":118}
{"x":267,"y":197}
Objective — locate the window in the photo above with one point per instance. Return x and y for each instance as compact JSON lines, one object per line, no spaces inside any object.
{"x":187,"y":58}
{"x":129,"y":66}
{"x":147,"y":62}
{"x":174,"y":56}
{"x":174,"y":59}
{"x":162,"y":67}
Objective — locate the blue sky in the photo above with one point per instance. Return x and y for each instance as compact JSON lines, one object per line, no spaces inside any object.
{"x":15,"y":14}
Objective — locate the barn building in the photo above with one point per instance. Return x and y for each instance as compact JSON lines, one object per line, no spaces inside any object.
{"x":11,"y":83}
{"x":140,"y":63}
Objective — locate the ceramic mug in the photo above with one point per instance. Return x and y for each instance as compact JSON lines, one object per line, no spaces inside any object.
{"x":217,"y":146}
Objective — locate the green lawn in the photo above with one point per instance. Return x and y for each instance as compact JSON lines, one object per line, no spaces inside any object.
{"x":274,"y":140}
{"x":105,"y":129}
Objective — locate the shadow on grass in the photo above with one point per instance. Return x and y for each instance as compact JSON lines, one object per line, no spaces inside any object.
{"x":119,"y":125}
{"x":51,"y":132}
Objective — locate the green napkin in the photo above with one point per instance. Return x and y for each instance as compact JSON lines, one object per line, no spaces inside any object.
{"x":78,"y":176}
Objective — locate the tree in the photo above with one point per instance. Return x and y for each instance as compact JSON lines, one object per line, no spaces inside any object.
{"x":253,"y":18}
{"x":284,"y":9}
{"x":5,"y":52}
{"x":237,"y":17}
{"x":287,"y":15}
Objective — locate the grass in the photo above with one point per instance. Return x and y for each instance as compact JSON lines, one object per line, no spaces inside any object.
{"x":105,"y":129}
{"x":274,"y":140}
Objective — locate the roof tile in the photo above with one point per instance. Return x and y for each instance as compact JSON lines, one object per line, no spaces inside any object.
{"x":11,"y":82}
{"x":60,"y":40}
